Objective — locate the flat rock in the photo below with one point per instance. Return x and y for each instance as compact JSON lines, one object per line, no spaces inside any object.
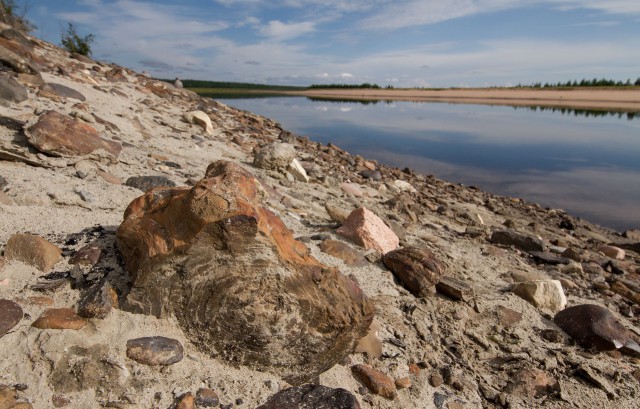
{"x":366,"y":229}
{"x":275,"y":156}
{"x":59,"y":318}
{"x":10,"y":315}
{"x":271,"y":300}
{"x":11,"y":91}
{"x":547,"y":257}
{"x":454,"y":288}
{"x":298,"y":172}
{"x":545,"y":294}
{"x":32,"y":250}
{"x":60,"y":135}
{"x":64,"y":91}
{"x":352,"y":189}
{"x":416,"y":268}
{"x":311,"y":396}
{"x":507,"y":316}
{"x":199,"y":118}
{"x":145,"y":183}
{"x":532,"y":383}
{"x":15,"y":62}
{"x":594,"y":327}
{"x":518,"y":240}
{"x":344,"y":252}
{"x":377,"y":381}
{"x":155,"y":350}
{"x":612,"y":251}
{"x":98,"y":301}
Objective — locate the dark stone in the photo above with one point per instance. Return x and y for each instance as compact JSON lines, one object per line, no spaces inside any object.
{"x":17,"y":63}
{"x":518,"y":240}
{"x":3,"y":183}
{"x":88,"y":255}
{"x":10,"y":315}
{"x":207,"y":398}
{"x":371,"y":174}
{"x":146,"y":183}
{"x":547,"y":257}
{"x":98,"y":301}
{"x":416,"y":268}
{"x":594,"y":327}
{"x":453,"y":288}
{"x":11,"y":90}
{"x":311,"y":396}
{"x":64,"y":91}
{"x":155,"y":350}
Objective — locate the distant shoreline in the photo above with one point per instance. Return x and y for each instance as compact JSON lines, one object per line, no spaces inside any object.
{"x":623,"y":100}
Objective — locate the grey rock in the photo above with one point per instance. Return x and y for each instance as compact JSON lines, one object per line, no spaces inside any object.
{"x":10,"y":315}
{"x":155,"y":350}
{"x":312,"y":396}
{"x":276,"y":156}
{"x":371,"y":174}
{"x":15,"y":62}
{"x":518,"y":240}
{"x":64,"y":91}
{"x":546,"y":257}
{"x":146,"y":183}
{"x":11,"y":91}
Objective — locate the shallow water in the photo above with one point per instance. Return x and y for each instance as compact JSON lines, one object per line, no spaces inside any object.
{"x":587,"y":165}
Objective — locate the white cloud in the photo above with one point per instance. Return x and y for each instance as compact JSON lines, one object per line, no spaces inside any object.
{"x":278,"y":30}
{"x":346,"y":75}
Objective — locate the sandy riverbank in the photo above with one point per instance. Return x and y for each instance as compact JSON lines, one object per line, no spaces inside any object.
{"x":627,"y":100}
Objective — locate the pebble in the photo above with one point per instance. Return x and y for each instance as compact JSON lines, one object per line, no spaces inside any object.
{"x":59,"y":318}
{"x":436,"y":380}
{"x":207,"y":398}
{"x":336,"y":213}
{"x":508,"y":317}
{"x":454,"y":288}
{"x":613,"y":252}
{"x":87,"y":256}
{"x":403,"y":383}
{"x":371,"y":174}
{"x":10,"y":315}
{"x":145,"y":183}
{"x":532,"y":383}
{"x":186,"y":401}
{"x":32,"y":250}
{"x":545,"y":294}
{"x":377,"y":381}
{"x":155,"y":350}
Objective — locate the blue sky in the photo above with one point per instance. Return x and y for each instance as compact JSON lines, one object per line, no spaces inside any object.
{"x":405,"y":43}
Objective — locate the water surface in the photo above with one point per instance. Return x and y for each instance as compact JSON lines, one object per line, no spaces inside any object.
{"x":585,"y":163}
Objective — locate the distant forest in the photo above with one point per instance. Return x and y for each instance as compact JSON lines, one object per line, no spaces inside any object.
{"x":233,"y":85}
{"x":347,"y":86}
{"x":584,"y":83}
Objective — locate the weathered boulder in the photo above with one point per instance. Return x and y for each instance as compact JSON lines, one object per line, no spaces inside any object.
{"x":238,"y":282}
{"x":518,"y":240}
{"x":32,"y":250}
{"x":276,"y":156}
{"x":60,"y":135}
{"x":312,"y":396}
{"x":595,"y":327}
{"x":417,"y":269}
{"x":546,"y":294}
{"x":16,"y":62}
{"x":366,"y":229}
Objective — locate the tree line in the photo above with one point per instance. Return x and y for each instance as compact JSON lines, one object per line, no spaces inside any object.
{"x":602,"y":82}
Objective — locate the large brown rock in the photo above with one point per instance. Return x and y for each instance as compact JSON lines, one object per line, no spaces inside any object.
{"x":417,"y":269}
{"x":60,"y":135}
{"x":238,"y":282}
{"x":32,"y":250}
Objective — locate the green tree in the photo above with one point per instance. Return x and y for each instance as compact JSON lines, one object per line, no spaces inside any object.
{"x":72,"y":42}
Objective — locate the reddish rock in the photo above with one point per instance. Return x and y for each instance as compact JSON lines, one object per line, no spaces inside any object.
{"x":532,"y":383}
{"x":60,"y":135}
{"x":60,"y":401}
{"x":155,"y":350}
{"x":109,"y":178}
{"x":377,"y":382}
{"x":403,"y":383}
{"x":32,"y":250}
{"x":352,"y":189}
{"x":454,"y":288}
{"x":595,"y":327}
{"x":10,"y":315}
{"x":7,"y":397}
{"x":311,"y":396}
{"x":417,"y":269}
{"x":236,"y":279}
{"x":207,"y":398}
{"x":186,"y":401}
{"x":59,"y":318}
{"x":344,"y":252}
{"x":366,"y":229}
{"x":508,"y":317}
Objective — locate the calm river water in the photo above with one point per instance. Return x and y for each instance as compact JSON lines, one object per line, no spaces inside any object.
{"x":587,"y":165}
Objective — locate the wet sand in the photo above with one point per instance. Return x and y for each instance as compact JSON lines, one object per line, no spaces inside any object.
{"x":626,"y":100}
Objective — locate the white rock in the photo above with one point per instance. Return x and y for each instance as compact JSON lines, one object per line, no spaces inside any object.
{"x":612,"y":251}
{"x":199,"y":118}
{"x":404,"y":186}
{"x":544,"y":294}
{"x":298,"y":172}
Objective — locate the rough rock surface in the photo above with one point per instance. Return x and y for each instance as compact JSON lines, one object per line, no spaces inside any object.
{"x":532,"y":383}
{"x":145,"y":183}
{"x":366,"y":229}
{"x":377,"y":381}
{"x":200,"y":118}
{"x":545,"y":294}
{"x":518,"y":240}
{"x":59,"y":135}
{"x":32,"y":250}
{"x":11,"y":91}
{"x":236,"y":279}
{"x":416,"y":268}
{"x":312,"y":396}
{"x":10,"y":315}
{"x":275,"y":156}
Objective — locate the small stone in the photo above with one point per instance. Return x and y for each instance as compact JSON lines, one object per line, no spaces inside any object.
{"x":155,"y":350}
{"x":344,"y":252}
{"x":414,"y":369}
{"x":81,"y":174}
{"x":436,"y":380}
{"x":633,"y":234}
{"x":32,"y":250}
{"x":10,"y":315}
{"x":532,"y":383}
{"x":518,"y":240}
{"x":454,"y":288}
{"x":199,"y":118}
{"x":276,"y":156}
{"x":207,"y":398}
{"x":404,"y":186}
{"x":59,"y":318}
{"x":594,"y":327}
{"x":186,"y":401}
{"x":371,"y":174}
{"x":145,"y":183}
{"x":87,"y":256}
{"x":352,"y":189}
{"x":7,"y":397}
{"x":337,"y":214}
{"x":572,"y":269}
{"x":11,"y":91}
{"x":508,"y":317}
{"x":60,"y":401}
{"x":298,"y":172}
{"x":377,"y":382}
{"x":573,"y":254}
{"x":612,"y":251}
{"x":311,"y":396}
{"x":98,"y":302}
{"x":366,"y":229}
{"x":85,"y":196}
{"x":547,"y":257}
{"x":417,"y":269}
{"x":403,"y":383}
{"x":109,"y":178}
{"x":545,"y":294}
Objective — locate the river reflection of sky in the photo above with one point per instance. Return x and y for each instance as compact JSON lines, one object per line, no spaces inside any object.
{"x":589,"y":166}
